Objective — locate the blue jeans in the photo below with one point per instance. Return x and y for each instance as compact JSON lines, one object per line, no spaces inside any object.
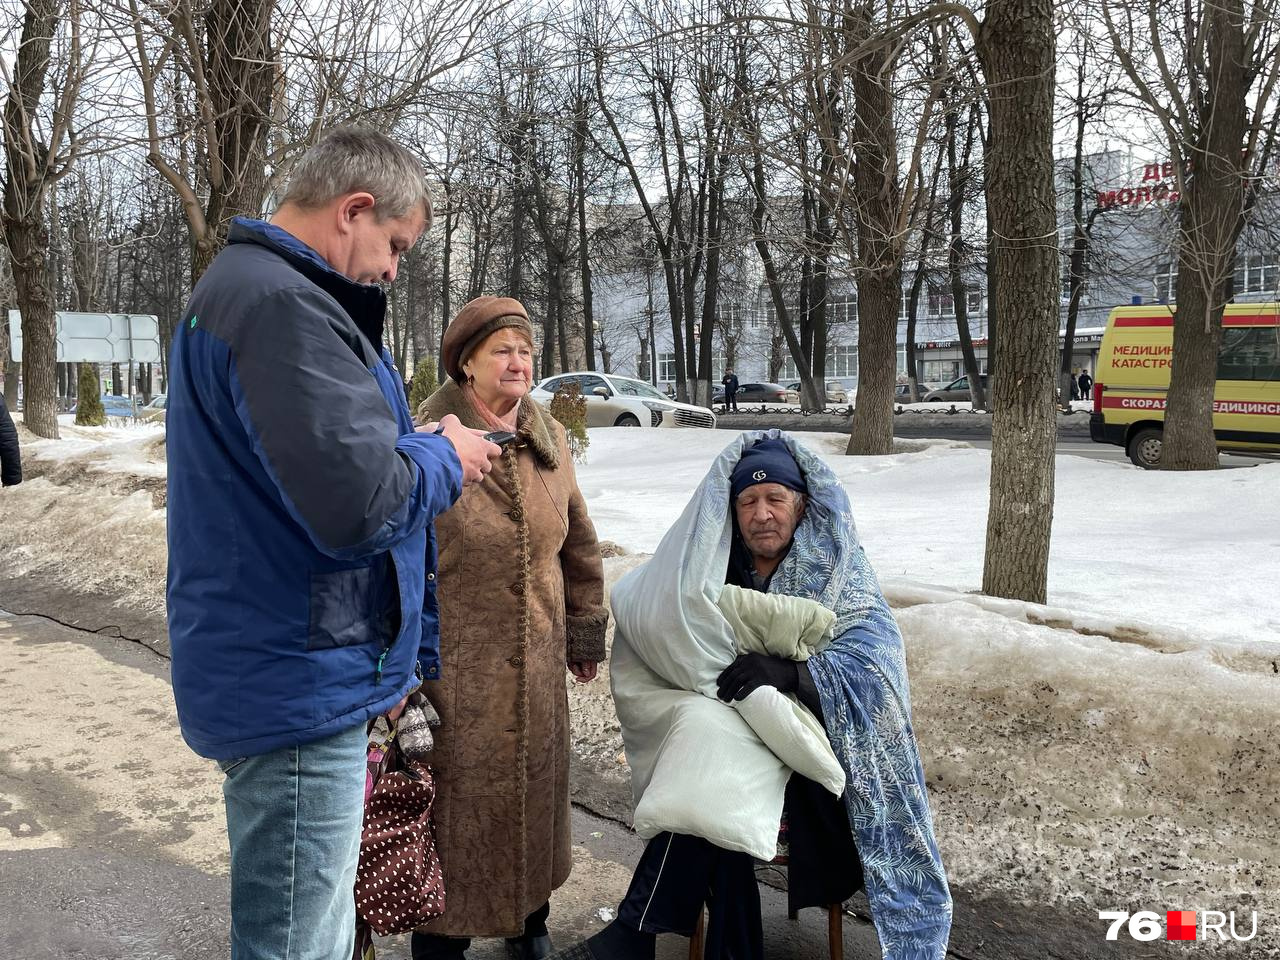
{"x":293,"y":818}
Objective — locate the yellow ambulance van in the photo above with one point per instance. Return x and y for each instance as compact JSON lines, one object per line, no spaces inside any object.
{"x":1132,"y":380}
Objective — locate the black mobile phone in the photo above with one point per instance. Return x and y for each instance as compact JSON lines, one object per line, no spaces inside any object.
{"x":502,"y":438}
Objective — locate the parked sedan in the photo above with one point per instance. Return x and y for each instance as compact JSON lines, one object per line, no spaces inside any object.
{"x":155,"y":409}
{"x":836,"y":392}
{"x":759,"y":393}
{"x":614,"y":401}
{"x":956,"y":390}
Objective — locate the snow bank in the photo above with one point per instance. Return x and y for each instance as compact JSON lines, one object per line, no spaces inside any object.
{"x":1065,"y":767}
{"x":87,"y":537}
{"x":122,"y":446}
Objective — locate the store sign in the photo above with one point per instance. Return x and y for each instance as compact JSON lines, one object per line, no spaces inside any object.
{"x":1159,"y":185}
{"x":982,"y":342}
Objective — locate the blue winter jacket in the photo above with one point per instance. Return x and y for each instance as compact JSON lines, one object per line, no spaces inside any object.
{"x":301,"y":551}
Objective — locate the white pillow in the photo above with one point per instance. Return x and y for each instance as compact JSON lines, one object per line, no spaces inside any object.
{"x":715,"y":779}
{"x":794,"y":734}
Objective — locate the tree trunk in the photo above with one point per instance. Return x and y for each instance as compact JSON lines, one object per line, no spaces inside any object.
{"x":584,"y":252}
{"x":877,"y":201}
{"x":917,"y":283}
{"x":1079,"y":244}
{"x":555,"y":305}
{"x":241,"y":72}
{"x":913,"y":309}
{"x":772,"y":279}
{"x":446,"y":274}
{"x":12,"y":371}
{"x":1212,"y":217}
{"x":957,"y":187}
{"x":711,"y":287}
{"x":879,"y":298}
{"x":674,"y":304}
{"x":27,"y":168}
{"x":1017,"y":48}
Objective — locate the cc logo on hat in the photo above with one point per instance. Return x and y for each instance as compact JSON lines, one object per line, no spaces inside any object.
{"x":759,"y":475}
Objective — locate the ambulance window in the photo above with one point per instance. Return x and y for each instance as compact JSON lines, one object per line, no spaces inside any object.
{"x":1250,"y":354}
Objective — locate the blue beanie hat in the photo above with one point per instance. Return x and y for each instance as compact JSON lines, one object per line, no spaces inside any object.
{"x":769,"y":461}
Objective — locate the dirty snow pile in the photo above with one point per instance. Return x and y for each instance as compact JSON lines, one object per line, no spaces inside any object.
{"x":1115,"y":748}
{"x":90,"y":512}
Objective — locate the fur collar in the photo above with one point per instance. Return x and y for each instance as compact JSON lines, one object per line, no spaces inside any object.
{"x":534,"y":425}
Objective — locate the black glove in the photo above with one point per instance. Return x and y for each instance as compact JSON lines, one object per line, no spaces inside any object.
{"x":753,"y":670}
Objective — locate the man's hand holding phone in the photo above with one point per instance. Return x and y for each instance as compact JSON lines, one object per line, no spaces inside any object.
{"x":476,"y":453}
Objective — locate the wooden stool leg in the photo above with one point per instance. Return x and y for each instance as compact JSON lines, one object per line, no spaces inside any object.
{"x":835,"y":930}
{"x":699,"y":935}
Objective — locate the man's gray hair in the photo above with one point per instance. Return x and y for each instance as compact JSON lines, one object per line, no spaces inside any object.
{"x":359,"y":160}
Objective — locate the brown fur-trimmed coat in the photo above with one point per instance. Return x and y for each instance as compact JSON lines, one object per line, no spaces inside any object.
{"x":521,"y":591}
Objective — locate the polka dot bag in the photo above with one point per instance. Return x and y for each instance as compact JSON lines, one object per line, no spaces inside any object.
{"x":399,"y":885}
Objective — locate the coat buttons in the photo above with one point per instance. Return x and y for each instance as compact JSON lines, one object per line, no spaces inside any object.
{"x":516,"y":661}
{"x":431,"y":576}
{"x":518,"y":588}
{"x":516,"y":514}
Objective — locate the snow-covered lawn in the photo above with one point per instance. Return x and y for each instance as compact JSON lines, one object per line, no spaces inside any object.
{"x":1114,"y":749}
{"x":1187,"y":556}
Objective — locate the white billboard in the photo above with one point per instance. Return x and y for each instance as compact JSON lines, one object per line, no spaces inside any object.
{"x":98,"y":337}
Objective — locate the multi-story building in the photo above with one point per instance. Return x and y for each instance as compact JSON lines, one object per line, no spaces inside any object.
{"x":1130,"y":207}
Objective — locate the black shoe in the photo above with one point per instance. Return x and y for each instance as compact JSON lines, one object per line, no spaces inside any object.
{"x":529,"y":948}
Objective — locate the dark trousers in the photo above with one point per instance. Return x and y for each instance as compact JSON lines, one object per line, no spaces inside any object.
{"x":731,"y":400}
{"x":433,"y":946}
{"x":677,"y":875}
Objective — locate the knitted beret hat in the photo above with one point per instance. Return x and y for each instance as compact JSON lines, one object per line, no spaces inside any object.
{"x":474,"y":322}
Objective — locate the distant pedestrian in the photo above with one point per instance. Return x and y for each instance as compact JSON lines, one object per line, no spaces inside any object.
{"x":730,"y":383}
{"x":1075,"y":386}
{"x":10,"y":451}
{"x":1086,"y":384}
{"x":301,"y":550}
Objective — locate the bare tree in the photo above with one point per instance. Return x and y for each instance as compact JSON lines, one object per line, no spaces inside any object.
{"x":39,"y":149}
{"x":1017,"y":45}
{"x":959,"y":175}
{"x":927,"y":236}
{"x":1206,"y":73}
{"x":675,"y":124}
{"x":1090,"y":98}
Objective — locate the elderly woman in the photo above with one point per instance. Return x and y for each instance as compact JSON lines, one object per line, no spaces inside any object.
{"x":521,"y":593}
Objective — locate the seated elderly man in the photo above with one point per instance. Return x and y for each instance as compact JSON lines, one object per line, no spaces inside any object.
{"x":718,"y":738}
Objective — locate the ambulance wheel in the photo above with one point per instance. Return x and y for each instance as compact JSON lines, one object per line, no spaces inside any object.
{"x":1144,"y":448}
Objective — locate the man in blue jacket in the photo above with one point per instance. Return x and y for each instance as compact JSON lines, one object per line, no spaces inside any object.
{"x":301,"y":554}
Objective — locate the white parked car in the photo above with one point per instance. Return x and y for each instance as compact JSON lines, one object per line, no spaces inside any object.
{"x":614,"y":401}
